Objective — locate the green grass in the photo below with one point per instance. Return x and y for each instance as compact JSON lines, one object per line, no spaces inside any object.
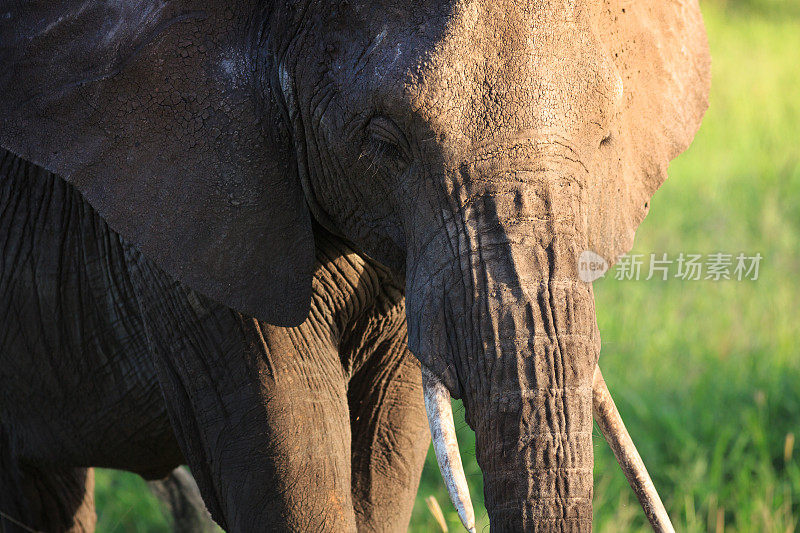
{"x":125,"y":505}
{"x":705,"y":374}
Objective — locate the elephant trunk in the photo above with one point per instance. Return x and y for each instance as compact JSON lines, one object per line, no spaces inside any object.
{"x":534,"y":435}
{"x":520,"y":349}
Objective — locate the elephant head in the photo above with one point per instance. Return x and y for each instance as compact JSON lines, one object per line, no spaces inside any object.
{"x":476,"y":148}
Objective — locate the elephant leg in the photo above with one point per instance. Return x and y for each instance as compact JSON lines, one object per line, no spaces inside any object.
{"x":390,"y":438}
{"x":387,"y":414}
{"x":50,"y":500}
{"x":260,"y":412}
{"x":180,"y":498}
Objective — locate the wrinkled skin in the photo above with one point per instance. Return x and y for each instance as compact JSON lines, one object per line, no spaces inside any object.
{"x":95,"y":370}
{"x":79,"y":388}
{"x":474,"y":149}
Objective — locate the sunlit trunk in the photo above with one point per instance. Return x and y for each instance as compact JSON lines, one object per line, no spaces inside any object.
{"x":534,"y":434}
{"x":506,"y":325}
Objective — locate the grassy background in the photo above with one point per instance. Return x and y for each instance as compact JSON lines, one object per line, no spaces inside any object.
{"x":705,"y":374}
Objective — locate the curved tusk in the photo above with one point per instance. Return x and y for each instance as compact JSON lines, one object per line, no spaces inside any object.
{"x":610,"y":422}
{"x":443,"y":433}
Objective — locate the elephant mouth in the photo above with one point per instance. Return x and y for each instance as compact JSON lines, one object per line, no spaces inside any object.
{"x":445,"y":445}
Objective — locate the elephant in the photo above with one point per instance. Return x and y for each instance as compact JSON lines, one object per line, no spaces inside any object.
{"x":272,"y":238}
{"x":80,"y":387}
{"x":180,"y":499}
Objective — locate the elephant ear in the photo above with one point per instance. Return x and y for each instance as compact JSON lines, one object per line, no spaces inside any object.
{"x":159,"y":115}
{"x":660,"y":50}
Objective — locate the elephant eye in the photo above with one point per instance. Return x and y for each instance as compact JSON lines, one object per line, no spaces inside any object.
{"x":389,"y":138}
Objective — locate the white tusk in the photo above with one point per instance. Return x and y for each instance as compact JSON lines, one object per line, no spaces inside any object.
{"x":443,"y":433}
{"x":610,"y":423}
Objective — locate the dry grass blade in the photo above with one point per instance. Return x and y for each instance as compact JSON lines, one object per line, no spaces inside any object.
{"x":436,"y":511}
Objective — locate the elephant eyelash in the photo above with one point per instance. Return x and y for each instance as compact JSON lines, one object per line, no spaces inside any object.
{"x":386,"y":134}
{"x":385,"y":149}
{"x":386,"y":155}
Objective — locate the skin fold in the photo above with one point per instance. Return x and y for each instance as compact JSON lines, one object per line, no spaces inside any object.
{"x":369,"y":180}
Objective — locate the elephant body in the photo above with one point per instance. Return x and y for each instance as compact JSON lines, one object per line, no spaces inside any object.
{"x":75,"y":361}
{"x":79,"y":386}
{"x":299,"y":182}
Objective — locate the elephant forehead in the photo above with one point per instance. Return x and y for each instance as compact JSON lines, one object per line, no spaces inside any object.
{"x":508,"y":67}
